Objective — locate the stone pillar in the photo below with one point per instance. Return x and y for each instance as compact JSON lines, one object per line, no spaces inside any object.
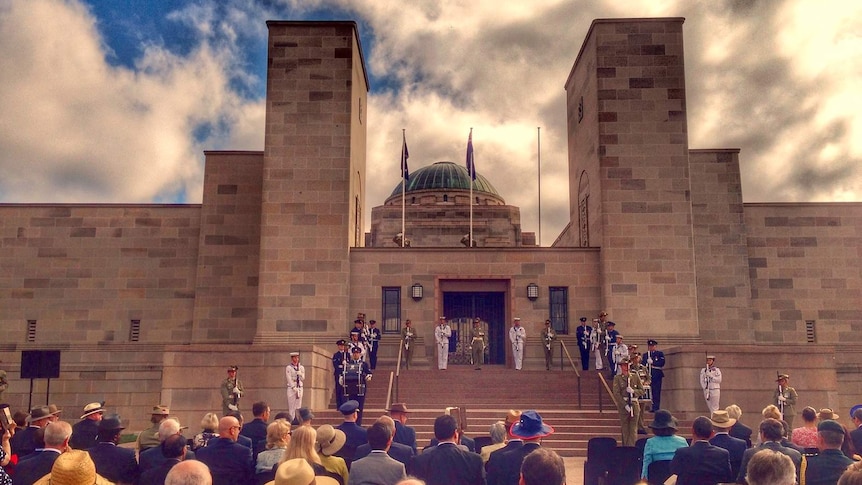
{"x":313,"y":176}
{"x":629,"y":172}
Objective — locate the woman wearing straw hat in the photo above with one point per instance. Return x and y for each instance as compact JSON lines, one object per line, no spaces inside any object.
{"x":329,"y":441}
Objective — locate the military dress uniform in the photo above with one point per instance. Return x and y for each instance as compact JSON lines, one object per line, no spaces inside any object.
{"x":231,"y":392}
{"x":710,"y":382}
{"x":655,"y":363}
{"x":598,"y":341}
{"x":408,"y":336}
{"x":621,"y":352}
{"x":363,"y":378}
{"x":295,"y":376}
{"x":611,"y":342}
{"x":373,"y":337}
{"x":585,"y":336}
{"x":643,"y":374}
{"x":548,"y":338}
{"x":442,"y":333}
{"x":518,"y":337}
{"x":477,"y":344}
{"x":338,"y":360}
{"x":627,"y":389}
{"x":784,"y":397}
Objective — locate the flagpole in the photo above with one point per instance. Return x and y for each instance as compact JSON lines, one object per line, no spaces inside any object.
{"x":403,"y":188}
{"x":539,"y":152}
{"x":470,"y":173}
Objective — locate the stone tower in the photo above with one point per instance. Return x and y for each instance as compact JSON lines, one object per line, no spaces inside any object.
{"x":313,"y":176}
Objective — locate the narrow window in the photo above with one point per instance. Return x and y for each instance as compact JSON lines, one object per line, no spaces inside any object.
{"x":31,"y":330}
{"x":391,"y":309}
{"x":810,"y":334}
{"x":559,"y":299}
{"x":135,"y":331}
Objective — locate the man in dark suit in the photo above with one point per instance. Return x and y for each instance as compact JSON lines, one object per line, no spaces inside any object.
{"x":398,"y":451}
{"x":36,"y":465}
{"x":153,"y":457}
{"x":771,"y":432}
{"x":25,"y":442}
{"x":256,"y":429}
{"x":447,"y":464}
{"x":494,"y":465}
{"x":721,"y":424}
{"x":403,"y":434}
{"x":738,"y":430}
{"x":856,"y":434}
{"x":229,"y":462}
{"x":243,"y":440}
{"x":173,"y":448}
{"x":531,"y":429}
{"x":116,"y":464}
{"x":356,"y":435}
{"x":84,"y":432}
{"x":701,"y":463}
{"x":827,"y":466}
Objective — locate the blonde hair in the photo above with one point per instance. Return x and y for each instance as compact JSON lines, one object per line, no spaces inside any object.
{"x":734,"y":411}
{"x":210,"y":422}
{"x":771,"y":411}
{"x":301,"y":445}
{"x":853,"y":475}
{"x":277,"y":434}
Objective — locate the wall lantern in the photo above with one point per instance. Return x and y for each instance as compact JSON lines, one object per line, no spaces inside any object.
{"x":416,"y":291}
{"x":532,"y":291}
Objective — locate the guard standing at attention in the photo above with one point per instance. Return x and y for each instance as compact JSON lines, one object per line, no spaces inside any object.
{"x":442,"y":333}
{"x":611,"y":339}
{"x":295,"y":374}
{"x":477,"y":343}
{"x":654,"y":361}
{"x":585,"y":335}
{"x":627,"y":390}
{"x":408,"y":335}
{"x":710,"y":382}
{"x":231,"y":391}
{"x":518,"y":337}
{"x":374,"y":336}
{"x":784,"y":398}
{"x":548,"y":338}
{"x":338,"y":360}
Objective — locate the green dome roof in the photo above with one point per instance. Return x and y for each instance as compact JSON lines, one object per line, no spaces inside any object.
{"x":446,"y":176}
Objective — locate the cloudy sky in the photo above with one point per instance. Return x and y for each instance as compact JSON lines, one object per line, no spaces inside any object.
{"x":115,"y":100}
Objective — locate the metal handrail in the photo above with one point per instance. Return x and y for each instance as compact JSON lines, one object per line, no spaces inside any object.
{"x":392,"y":391}
{"x":603,"y":382}
{"x":564,"y":349}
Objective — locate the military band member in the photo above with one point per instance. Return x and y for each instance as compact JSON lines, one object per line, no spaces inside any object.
{"x":408,"y":337}
{"x":585,"y":335}
{"x":518,"y":337}
{"x":356,"y":341}
{"x":364,"y":378}
{"x":784,"y":398}
{"x":710,"y":382}
{"x":627,"y":389}
{"x":338,"y":360}
{"x":611,"y":339}
{"x":621,"y":351}
{"x":373,"y":336}
{"x":231,"y":391}
{"x":548,"y":338}
{"x":442,"y":332}
{"x":295,"y":374}
{"x":477,"y":343}
{"x":598,"y":341}
{"x":655,"y":363}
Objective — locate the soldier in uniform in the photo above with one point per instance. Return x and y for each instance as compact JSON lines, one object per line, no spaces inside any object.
{"x":364,"y":377}
{"x":611,"y":343}
{"x":373,"y":336}
{"x":338,"y":360}
{"x":655,"y":364}
{"x":627,"y":389}
{"x":477,"y":343}
{"x":643,"y":374}
{"x":231,"y":391}
{"x":295,"y":375}
{"x":548,"y":338}
{"x":356,"y":341}
{"x":442,"y":332}
{"x":784,"y":398}
{"x":710,"y":382}
{"x":149,"y":438}
{"x":598,"y":341}
{"x":518,"y":337}
{"x":621,"y":351}
{"x":585,"y":336}
{"x":408,"y":335}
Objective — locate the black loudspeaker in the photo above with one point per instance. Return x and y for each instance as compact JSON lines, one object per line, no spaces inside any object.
{"x":40,"y":364}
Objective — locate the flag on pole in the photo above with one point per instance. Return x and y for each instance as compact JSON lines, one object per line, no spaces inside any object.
{"x":404,"y":156}
{"x":471,"y":166}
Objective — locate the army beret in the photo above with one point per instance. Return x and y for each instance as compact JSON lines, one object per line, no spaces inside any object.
{"x":830,"y":425}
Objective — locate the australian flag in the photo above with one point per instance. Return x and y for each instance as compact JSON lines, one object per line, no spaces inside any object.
{"x":471,"y":166}
{"x":404,"y":156}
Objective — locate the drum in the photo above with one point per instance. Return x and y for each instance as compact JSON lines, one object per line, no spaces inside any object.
{"x":354,"y":381}
{"x":647,"y":394}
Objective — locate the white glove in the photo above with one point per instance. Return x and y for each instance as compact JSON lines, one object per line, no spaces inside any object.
{"x":628,"y":408}
{"x":236,"y":391}
{"x":232,"y":407}
{"x":629,"y":390}
{"x":781,"y":398}
{"x":368,"y":378}
{"x":341,"y":380}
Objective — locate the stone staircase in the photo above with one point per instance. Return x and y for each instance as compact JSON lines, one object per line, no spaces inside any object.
{"x":488,"y":394}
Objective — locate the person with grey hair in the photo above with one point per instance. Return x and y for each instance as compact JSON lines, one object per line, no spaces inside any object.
{"x":153,"y":457}
{"x":411,"y":481}
{"x":498,"y":440}
{"x":769,"y":467}
{"x":189,"y":472}
{"x":542,"y":467}
{"x":38,"y":464}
